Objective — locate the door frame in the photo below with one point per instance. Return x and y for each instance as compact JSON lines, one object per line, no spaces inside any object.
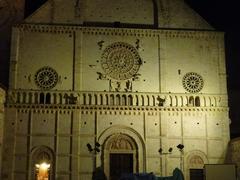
{"x":124,"y":152}
{"x":130,"y":147}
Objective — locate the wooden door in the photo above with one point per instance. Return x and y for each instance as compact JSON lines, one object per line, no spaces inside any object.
{"x":120,"y":163}
{"x":196,"y":174}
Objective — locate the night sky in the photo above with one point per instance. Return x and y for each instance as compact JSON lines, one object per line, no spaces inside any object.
{"x":222,"y":15}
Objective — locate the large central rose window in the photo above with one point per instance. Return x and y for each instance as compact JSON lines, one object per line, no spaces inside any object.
{"x":120,"y":61}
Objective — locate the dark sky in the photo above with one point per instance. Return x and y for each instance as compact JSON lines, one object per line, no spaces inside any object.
{"x":223,"y":16}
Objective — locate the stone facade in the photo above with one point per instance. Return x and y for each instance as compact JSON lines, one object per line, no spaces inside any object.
{"x":2,"y":101}
{"x":132,"y":90}
{"x":233,"y":153}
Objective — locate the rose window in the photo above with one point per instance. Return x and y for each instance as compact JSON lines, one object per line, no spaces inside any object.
{"x":46,"y":78}
{"x":192,"y":82}
{"x":120,"y":61}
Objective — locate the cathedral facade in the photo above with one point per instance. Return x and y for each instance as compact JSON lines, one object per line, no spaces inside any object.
{"x":128,"y":86}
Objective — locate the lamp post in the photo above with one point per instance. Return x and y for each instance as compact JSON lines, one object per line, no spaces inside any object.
{"x":165,"y":155}
{"x":180,"y":148}
{"x":93,"y":150}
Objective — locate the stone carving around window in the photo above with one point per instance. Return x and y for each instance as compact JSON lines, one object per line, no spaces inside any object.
{"x":192,"y":82}
{"x":120,"y":61}
{"x":46,"y":78}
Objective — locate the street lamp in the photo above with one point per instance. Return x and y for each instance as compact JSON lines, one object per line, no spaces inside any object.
{"x":94,"y":150}
{"x":164,"y":153}
{"x":180,"y":148}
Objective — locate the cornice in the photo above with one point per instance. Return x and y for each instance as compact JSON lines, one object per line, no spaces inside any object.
{"x":112,"y":109}
{"x":171,"y":33}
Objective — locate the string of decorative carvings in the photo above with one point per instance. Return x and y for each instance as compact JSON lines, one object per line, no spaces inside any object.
{"x":48,"y":109}
{"x":58,"y":29}
{"x":115,"y":99}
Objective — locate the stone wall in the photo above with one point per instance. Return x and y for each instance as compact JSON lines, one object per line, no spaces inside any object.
{"x":233,"y":153}
{"x":2,"y":101}
{"x":76,"y":56}
{"x":175,"y":14}
{"x":65,"y":92}
{"x":67,"y":128}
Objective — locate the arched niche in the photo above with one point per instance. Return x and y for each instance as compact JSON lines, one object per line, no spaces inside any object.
{"x":39,"y":155}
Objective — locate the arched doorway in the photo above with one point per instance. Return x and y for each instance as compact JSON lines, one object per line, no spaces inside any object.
{"x":42,"y":163}
{"x":135,"y":139}
{"x":195,"y":161}
{"x":120,"y":155}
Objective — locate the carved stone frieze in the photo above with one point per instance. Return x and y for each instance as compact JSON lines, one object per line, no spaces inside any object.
{"x":120,"y":142}
{"x":196,"y":160}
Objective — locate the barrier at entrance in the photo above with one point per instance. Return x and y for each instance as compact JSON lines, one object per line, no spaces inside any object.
{"x":140,"y":176}
{"x":177,"y":175}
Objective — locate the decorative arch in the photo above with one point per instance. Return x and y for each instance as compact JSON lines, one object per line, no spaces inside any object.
{"x":142,"y":101}
{"x":95,"y":99}
{"x":176,"y":101}
{"x":197,"y":101}
{"x":194,"y":160}
{"x":118,"y":100}
{"x":112,"y":100}
{"x":121,"y":139}
{"x":24,"y":97}
{"x":101,"y":99}
{"x":121,"y":142}
{"x":136,"y":100}
{"x":48,"y":98}
{"x":124,"y":100}
{"x":106,"y":100}
{"x":30,"y":99}
{"x":89,"y":99}
{"x":41,"y":98}
{"x":130,"y":100}
{"x":42,"y":154}
{"x":191,"y":101}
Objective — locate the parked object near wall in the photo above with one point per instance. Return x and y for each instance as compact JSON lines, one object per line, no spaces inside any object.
{"x":233,"y":155}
